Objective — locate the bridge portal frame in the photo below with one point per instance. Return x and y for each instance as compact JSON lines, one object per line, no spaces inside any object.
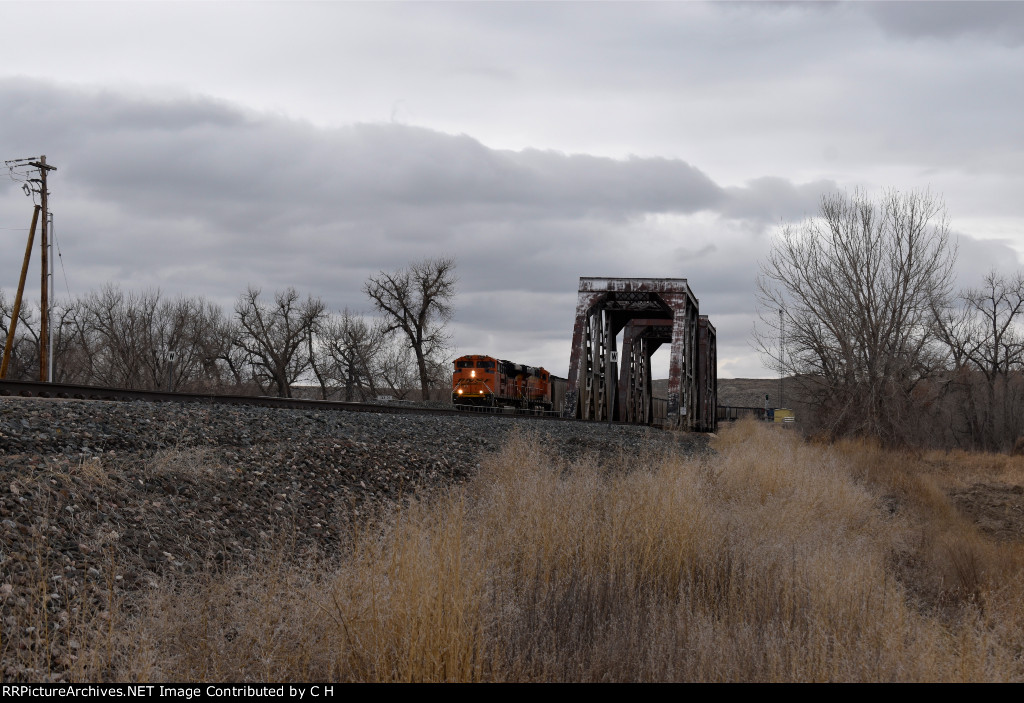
{"x":656,"y":310}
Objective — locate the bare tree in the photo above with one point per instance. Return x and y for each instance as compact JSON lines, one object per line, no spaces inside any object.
{"x":417,"y":302}
{"x":231,"y":357}
{"x":352,"y":348}
{"x":276,"y":337}
{"x":113,"y":337}
{"x":24,"y":361}
{"x":858,"y":286}
{"x":189,"y":327}
{"x":123,"y":326}
{"x":397,"y":368}
{"x":75,"y":343}
{"x":984,"y":338}
{"x":998,"y":307}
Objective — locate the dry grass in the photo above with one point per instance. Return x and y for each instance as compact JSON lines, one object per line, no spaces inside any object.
{"x":180,"y":463}
{"x":775,"y":560}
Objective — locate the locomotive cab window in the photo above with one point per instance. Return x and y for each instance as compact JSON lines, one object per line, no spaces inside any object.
{"x":463,"y":364}
{"x":485,"y":365}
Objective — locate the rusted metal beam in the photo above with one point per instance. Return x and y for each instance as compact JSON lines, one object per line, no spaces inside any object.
{"x":649,"y":312}
{"x":707,"y":386}
{"x":580,"y":363}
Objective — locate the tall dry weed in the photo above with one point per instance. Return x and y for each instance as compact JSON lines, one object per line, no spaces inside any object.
{"x":770,"y":560}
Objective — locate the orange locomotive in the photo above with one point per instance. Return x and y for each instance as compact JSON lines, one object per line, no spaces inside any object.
{"x":484,"y":380}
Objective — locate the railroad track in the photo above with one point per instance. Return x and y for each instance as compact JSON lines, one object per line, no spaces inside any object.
{"x":36,"y":389}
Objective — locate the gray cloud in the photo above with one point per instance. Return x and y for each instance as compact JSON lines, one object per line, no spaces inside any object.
{"x":224,"y":164}
{"x":976,"y":257}
{"x":198,"y":196}
{"x":201,"y":196}
{"x":772,"y":200}
{"x":1000,"y":21}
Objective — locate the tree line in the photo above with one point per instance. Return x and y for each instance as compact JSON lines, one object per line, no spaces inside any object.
{"x":266,"y":345}
{"x":858,"y":305}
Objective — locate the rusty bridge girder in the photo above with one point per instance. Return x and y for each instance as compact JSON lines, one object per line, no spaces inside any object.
{"x":649,"y":312}
{"x":707,"y":372}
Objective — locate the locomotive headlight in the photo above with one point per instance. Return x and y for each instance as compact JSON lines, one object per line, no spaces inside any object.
{"x":481,"y":392}
{"x":460,"y":391}
{"x":472,"y":374}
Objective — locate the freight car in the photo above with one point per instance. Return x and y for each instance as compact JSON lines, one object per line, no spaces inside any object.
{"x":481,"y":380}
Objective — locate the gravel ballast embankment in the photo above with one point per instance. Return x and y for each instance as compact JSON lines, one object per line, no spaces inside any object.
{"x":101,"y":495}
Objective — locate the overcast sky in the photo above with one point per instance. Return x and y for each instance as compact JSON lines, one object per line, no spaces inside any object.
{"x":203,"y":147}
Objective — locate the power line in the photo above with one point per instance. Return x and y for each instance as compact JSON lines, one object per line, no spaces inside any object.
{"x":13,"y":164}
{"x":60,"y":257}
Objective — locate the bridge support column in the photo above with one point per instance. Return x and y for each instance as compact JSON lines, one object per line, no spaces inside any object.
{"x":707,"y":382}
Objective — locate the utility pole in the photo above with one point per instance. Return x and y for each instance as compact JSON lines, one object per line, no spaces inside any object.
{"x":44,"y":304}
{"x":32,"y":186}
{"x":49,"y":350}
{"x":9,"y":345}
{"x":782,"y":358}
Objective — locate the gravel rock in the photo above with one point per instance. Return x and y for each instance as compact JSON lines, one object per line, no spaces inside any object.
{"x":102,"y":498}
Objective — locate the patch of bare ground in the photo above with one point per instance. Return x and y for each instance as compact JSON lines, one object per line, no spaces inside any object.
{"x":986,"y":488}
{"x":956,"y":531}
{"x":997,"y":508}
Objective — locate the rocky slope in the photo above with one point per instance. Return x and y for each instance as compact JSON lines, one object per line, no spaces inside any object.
{"x":100,"y":499}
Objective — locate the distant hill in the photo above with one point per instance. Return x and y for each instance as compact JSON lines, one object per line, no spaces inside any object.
{"x":749,"y":392}
{"x":742,"y":392}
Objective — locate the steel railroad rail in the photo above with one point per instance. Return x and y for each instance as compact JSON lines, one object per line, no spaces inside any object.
{"x":37,"y":389}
